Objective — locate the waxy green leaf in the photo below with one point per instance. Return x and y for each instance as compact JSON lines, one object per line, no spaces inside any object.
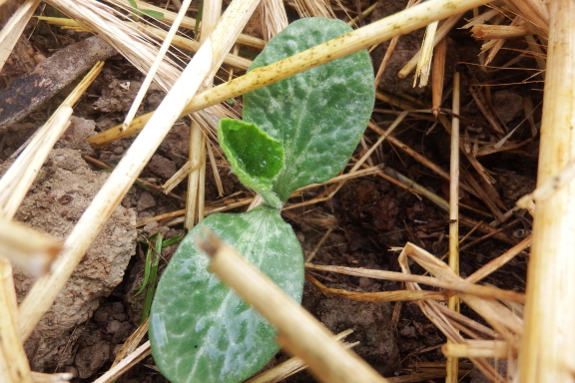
{"x":319,"y":115}
{"x":200,"y":330}
{"x":254,"y":157}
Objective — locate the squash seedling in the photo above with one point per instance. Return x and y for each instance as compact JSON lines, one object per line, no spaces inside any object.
{"x":296,"y":132}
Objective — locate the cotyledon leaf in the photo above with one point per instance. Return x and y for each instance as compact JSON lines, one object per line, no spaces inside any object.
{"x":318,"y":115}
{"x":254,"y":157}
{"x":200,"y":330}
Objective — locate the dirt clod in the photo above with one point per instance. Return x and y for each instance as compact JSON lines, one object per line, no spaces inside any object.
{"x":64,"y":188}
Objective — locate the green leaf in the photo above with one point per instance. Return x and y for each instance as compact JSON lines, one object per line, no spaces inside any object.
{"x":318,"y":115}
{"x":200,"y":330}
{"x":254,"y":157}
{"x":151,"y":13}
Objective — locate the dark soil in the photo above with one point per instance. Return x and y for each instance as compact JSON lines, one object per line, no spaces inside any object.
{"x":371,"y":215}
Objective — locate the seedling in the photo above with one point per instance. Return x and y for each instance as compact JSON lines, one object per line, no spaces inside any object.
{"x":151,"y":268}
{"x":294,"y":133}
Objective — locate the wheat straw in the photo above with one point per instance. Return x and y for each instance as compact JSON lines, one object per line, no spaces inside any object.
{"x":382,"y":30}
{"x":14,"y":27}
{"x":155,"y":65}
{"x":452,"y":364}
{"x":548,"y":348}
{"x":14,"y":367}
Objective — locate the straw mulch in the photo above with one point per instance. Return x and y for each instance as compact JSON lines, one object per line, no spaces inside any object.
{"x":437,"y":211}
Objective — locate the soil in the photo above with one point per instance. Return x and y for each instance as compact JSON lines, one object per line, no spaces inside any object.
{"x":98,"y":310}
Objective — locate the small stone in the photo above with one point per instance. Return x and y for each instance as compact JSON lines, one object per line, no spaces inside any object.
{"x":113,"y":327}
{"x":146,"y":201}
{"x":91,"y":358}
{"x":117,"y":307}
{"x":161,"y":166}
{"x":507,"y":104}
{"x":408,"y":332}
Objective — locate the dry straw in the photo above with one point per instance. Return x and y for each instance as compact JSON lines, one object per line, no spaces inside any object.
{"x":548,"y":348}
{"x":14,"y":365}
{"x":382,"y":30}
{"x":545,"y":354}
{"x":197,"y":148}
{"x":14,"y":28}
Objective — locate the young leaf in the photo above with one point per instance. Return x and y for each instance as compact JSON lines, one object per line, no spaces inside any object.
{"x":200,"y":330}
{"x":149,"y":12}
{"x":254,"y":157}
{"x":318,"y":115}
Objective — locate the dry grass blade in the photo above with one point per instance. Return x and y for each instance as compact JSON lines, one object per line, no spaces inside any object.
{"x":406,"y":183}
{"x":14,"y":367}
{"x":534,"y":12}
{"x":274,"y":18}
{"x":315,"y":8}
{"x":493,"y":312}
{"x":187,"y":22}
{"x":136,"y":356}
{"x":452,"y":282}
{"x":426,"y":162}
{"x":16,"y":181}
{"x":195,"y":199}
{"x":27,"y":248}
{"x":496,"y":263}
{"x":546,"y":190}
{"x":423,"y":67}
{"x":445,"y":27}
{"x":39,"y":377}
{"x":127,"y":355}
{"x":362,"y":38}
{"x":155,"y":65}
{"x":437,"y":77}
{"x":131,"y":43}
{"x":157,"y":33}
{"x":482,"y":18}
{"x":494,"y":349}
{"x":488,"y":32}
{"x":503,"y":320}
{"x":377,"y":297}
{"x":14,"y":28}
{"x":289,"y":367}
{"x":481,"y":104}
{"x":538,"y":54}
{"x":210,"y":209}
{"x":193,"y":46}
{"x":548,"y":348}
{"x":299,"y":332}
{"x":453,"y":302}
{"x":207,"y":60}
{"x":389,"y":53}
{"x":495,"y":45}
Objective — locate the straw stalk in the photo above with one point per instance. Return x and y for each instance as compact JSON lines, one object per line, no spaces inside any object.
{"x":548,"y":347}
